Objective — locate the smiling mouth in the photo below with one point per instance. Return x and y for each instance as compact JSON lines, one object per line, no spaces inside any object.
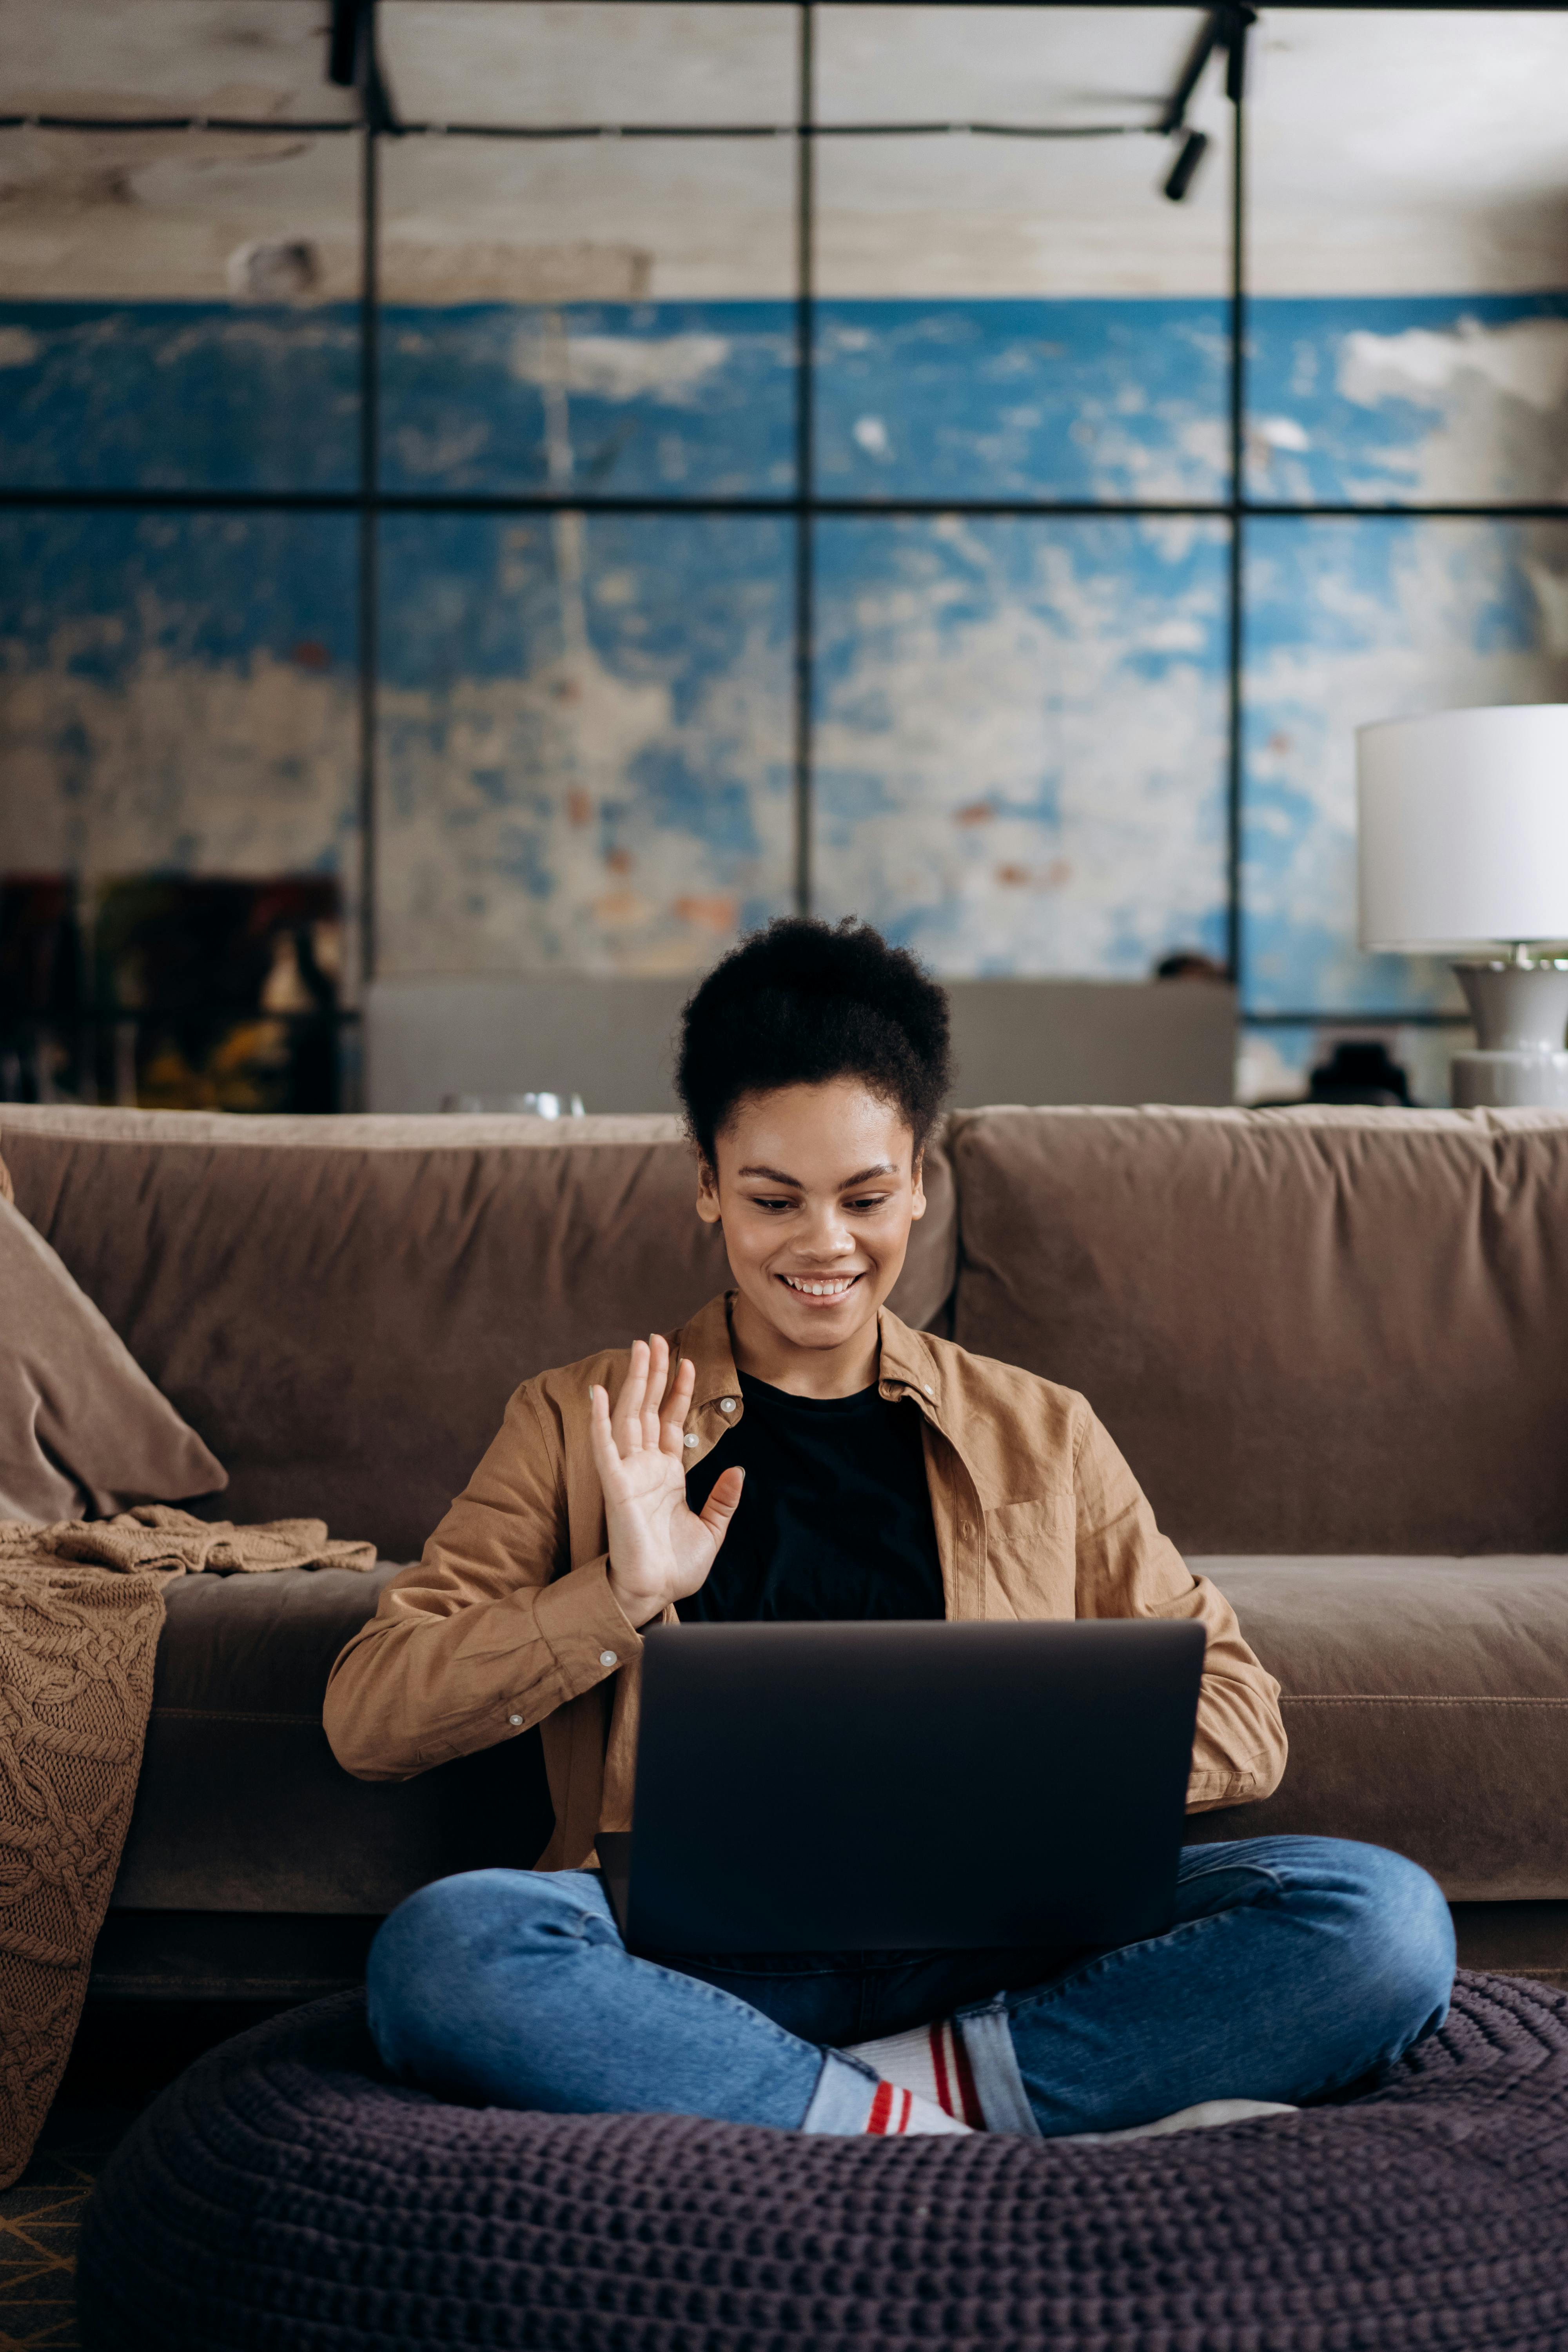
{"x":838,"y":1286}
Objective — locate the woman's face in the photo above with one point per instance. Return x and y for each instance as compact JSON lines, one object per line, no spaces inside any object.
{"x":815,"y":1188}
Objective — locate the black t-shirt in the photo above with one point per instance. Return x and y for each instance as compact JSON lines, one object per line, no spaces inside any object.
{"x":834,"y":1521}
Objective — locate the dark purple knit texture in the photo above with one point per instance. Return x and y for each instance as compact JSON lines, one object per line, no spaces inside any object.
{"x":284,"y":2195}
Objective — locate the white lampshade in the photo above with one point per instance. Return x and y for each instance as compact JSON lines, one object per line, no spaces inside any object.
{"x":1463,"y":827}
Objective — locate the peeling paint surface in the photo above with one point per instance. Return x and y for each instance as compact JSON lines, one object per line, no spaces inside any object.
{"x":585,"y":740}
{"x":1021,"y":747}
{"x":1422,"y":399}
{"x":178,"y":395}
{"x":177,"y":694}
{"x":1069,"y":400}
{"x":586,"y":719}
{"x":667,"y":400}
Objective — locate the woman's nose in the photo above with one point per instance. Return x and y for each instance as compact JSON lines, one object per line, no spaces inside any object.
{"x":828,"y":1237}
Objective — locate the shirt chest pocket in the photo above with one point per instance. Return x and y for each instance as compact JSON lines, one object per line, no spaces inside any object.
{"x":1029,"y":1559}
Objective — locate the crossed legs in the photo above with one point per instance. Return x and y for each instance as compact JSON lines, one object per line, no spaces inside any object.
{"x":1295,"y":1966}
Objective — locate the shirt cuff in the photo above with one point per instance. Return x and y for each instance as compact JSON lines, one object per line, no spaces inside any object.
{"x":588,"y":1633}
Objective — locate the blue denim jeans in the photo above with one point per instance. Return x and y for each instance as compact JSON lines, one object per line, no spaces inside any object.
{"x":1295,"y":1966}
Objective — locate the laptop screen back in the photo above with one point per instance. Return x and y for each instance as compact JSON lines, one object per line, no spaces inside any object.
{"x":930,"y":1786}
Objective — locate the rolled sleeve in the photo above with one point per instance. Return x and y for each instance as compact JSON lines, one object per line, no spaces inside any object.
{"x":588,"y":1633}
{"x":489,"y":1634}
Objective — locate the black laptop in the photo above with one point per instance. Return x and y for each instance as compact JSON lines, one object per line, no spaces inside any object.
{"x":834,"y":1788}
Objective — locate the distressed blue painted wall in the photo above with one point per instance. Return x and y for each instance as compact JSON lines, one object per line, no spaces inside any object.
{"x":586,"y":751}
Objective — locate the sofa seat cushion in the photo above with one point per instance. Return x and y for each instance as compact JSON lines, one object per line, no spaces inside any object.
{"x":284,"y":2192}
{"x":241,"y":1804}
{"x":1427,"y":1704}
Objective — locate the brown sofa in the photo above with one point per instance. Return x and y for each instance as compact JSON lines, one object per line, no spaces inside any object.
{"x":1333,"y":1345}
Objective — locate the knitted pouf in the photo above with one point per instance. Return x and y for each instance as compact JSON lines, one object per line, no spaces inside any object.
{"x":284,"y":2194}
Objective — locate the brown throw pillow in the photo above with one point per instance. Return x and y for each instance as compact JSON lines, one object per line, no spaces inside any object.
{"x":83,"y":1431}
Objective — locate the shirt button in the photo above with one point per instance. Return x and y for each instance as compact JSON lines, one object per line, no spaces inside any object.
{"x":690,"y":1438}
{"x":929,"y":1390}
{"x":726,"y":1405}
{"x":514,"y":1720}
{"x":608,"y":1658}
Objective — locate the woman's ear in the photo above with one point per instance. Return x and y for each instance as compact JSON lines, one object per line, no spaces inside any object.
{"x":917,"y":1181}
{"x":708,"y":1193}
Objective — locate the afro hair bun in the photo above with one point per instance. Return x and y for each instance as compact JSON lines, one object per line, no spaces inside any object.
{"x":804,"y":1002}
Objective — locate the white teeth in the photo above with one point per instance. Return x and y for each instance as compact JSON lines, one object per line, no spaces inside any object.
{"x":834,"y":1289}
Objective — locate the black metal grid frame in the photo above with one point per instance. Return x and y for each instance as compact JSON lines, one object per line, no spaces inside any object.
{"x":355,"y":59}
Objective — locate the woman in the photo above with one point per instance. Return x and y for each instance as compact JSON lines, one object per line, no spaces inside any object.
{"x":796,"y":1452}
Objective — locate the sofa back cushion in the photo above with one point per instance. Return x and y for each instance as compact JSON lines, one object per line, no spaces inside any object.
{"x":1313,"y":1330}
{"x":342,"y":1307}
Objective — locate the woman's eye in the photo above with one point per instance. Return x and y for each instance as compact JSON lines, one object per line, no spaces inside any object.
{"x":872,"y":1200}
{"x":775,"y":1204}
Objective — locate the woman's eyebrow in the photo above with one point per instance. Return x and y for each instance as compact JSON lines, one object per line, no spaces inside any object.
{"x":776,"y":1176}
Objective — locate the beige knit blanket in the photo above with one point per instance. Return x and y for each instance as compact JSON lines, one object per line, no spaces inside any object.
{"x":81,"y":1607}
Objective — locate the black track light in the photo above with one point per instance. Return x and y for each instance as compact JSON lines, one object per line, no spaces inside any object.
{"x":342,"y":55}
{"x":1185,"y":164}
{"x":1210,"y":34}
{"x":1237,"y":23}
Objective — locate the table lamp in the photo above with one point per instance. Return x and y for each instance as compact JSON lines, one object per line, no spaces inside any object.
{"x":1463,"y":842}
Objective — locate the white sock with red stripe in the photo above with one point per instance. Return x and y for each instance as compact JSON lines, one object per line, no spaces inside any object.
{"x":930,"y":2064}
{"x":895,"y":2109}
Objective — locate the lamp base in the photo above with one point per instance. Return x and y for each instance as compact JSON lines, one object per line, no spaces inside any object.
{"x":1509,"y":1081}
{"x":1520,"y":1011}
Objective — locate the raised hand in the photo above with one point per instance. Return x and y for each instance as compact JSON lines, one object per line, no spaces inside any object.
{"x":660,"y":1550}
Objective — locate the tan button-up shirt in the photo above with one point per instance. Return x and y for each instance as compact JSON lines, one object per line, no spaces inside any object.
{"x":509,"y":1620}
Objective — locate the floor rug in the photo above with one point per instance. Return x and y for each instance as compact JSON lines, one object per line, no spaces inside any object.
{"x":39,"y":2218}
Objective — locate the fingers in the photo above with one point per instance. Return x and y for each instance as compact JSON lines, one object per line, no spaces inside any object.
{"x":625,"y":1421}
{"x":658,"y":1373}
{"x":672,"y":1421}
{"x":636,"y":1422}
{"x":720,"y":1508}
{"x":601,"y":1437}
